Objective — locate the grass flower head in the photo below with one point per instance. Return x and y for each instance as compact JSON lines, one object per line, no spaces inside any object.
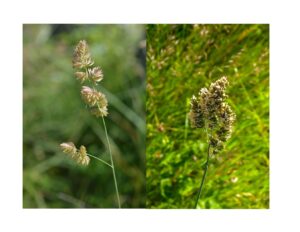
{"x":85,"y":71}
{"x":210,"y":110}
{"x":80,"y":156}
{"x":82,"y":57}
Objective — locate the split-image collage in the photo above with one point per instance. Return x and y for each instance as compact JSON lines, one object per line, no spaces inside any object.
{"x":157,"y":116}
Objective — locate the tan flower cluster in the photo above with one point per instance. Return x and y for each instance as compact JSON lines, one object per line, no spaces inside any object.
{"x":85,"y":71}
{"x":96,"y":100}
{"x":210,"y":110}
{"x":82,"y":57}
{"x":80,"y":156}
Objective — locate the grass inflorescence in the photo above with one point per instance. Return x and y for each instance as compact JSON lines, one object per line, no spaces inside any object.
{"x":211,"y":112}
{"x":85,"y":71}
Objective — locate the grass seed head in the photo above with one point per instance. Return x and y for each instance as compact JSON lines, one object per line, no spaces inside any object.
{"x":68,"y":148}
{"x":95,"y":74}
{"x":210,"y":110}
{"x":80,"y":156}
{"x":86,"y":71}
{"x":81,"y":56}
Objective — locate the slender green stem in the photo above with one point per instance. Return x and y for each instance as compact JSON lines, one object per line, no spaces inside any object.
{"x":203,"y":178}
{"x":112,"y":163}
{"x":101,"y":160}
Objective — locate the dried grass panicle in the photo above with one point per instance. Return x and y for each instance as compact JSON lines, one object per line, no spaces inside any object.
{"x":85,"y":71}
{"x":210,"y":110}
{"x":80,"y":156}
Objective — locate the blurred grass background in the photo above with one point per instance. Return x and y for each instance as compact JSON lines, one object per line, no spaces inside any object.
{"x":53,"y":112}
{"x":181,"y":59}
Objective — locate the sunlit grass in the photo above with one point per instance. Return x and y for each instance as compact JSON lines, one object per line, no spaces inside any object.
{"x":180,"y":60}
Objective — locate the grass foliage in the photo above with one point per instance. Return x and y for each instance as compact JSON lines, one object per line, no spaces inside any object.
{"x":180,"y":60}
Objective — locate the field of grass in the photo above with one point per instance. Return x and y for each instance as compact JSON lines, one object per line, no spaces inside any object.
{"x":181,"y":59}
{"x":53,"y":112}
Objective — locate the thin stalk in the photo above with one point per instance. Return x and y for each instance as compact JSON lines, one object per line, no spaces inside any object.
{"x":101,"y":160}
{"x":112,"y":163}
{"x":203,"y":178}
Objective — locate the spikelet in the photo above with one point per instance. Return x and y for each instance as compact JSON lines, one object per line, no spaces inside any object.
{"x":196,"y":114}
{"x":92,"y":97}
{"x":95,"y":74}
{"x":81,"y":56}
{"x":69,"y":148}
{"x":210,"y":110}
{"x":80,"y":156}
{"x":81,"y":76}
{"x":96,"y":100}
{"x":99,"y":112}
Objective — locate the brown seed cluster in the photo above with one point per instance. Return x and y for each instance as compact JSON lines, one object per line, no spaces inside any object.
{"x":209,"y":110}
{"x":80,"y":156}
{"x":85,"y":71}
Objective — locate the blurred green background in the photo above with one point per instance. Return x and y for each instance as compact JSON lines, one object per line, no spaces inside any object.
{"x":53,"y":112}
{"x":181,"y":59}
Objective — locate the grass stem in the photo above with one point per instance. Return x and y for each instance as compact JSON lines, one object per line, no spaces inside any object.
{"x":203,"y":178}
{"x":101,"y":160}
{"x":112,"y":163}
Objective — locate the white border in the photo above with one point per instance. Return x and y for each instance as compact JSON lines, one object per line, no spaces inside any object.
{"x":285,"y":115}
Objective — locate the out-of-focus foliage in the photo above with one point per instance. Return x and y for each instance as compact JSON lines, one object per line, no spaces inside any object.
{"x":53,"y":112}
{"x":181,"y":59}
